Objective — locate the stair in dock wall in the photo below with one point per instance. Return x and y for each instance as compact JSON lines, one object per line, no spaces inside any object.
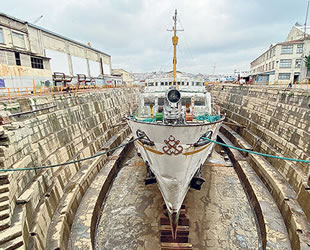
{"x":11,"y":238}
{"x":5,"y":215}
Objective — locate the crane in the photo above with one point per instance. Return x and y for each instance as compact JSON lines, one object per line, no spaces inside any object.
{"x":37,"y":19}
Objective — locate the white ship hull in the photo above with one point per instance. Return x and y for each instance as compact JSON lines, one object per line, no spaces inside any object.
{"x":174,"y":159}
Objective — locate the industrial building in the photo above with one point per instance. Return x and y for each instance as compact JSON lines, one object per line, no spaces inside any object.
{"x":30,"y":55}
{"x":284,"y":61}
{"x":126,"y":76}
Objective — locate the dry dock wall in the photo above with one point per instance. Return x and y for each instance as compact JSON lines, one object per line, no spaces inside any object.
{"x":277,"y":122}
{"x":64,"y":127}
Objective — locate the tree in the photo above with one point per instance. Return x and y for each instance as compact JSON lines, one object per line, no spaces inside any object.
{"x":307,"y":62}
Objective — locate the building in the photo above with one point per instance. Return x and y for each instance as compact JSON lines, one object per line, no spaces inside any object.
{"x":284,"y":61}
{"x":126,"y":76}
{"x":30,"y":54}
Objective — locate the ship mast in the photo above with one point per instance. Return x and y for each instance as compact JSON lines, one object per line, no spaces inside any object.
{"x":175,"y":43}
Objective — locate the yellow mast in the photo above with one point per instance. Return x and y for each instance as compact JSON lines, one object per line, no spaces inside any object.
{"x":175,"y":43}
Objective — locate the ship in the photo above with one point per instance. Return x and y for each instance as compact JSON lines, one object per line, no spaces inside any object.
{"x":175,"y":116}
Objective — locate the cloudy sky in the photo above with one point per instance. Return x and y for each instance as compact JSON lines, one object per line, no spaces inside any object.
{"x":227,"y":34}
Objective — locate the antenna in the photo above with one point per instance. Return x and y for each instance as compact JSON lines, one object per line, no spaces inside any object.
{"x":175,"y":40}
{"x":37,"y":19}
{"x":305,"y":29}
{"x":214,"y":67}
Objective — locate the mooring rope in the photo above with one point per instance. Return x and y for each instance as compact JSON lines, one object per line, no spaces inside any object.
{"x":256,"y":153}
{"x":71,"y":162}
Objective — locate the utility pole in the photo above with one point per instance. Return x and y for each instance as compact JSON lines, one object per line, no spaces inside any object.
{"x":213,"y":72}
{"x":305,"y":26}
{"x":303,"y":61}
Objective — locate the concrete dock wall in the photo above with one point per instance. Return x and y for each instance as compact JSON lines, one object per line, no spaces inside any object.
{"x":65,"y":127}
{"x":276,"y":122}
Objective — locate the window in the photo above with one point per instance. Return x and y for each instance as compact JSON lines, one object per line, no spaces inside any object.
{"x":285,"y":63}
{"x":162,"y":83}
{"x":284,"y":76}
{"x":272,"y":64}
{"x":151,"y":84}
{"x":17,"y":58}
{"x":18,"y":40}
{"x":199,"y":101}
{"x":1,"y":36}
{"x":185,"y":100}
{"x":161,"y":101}
{"x":300,"y":48}
{"x":297,"y":63}
{"x":287,"y":49}
{"x":37,"y":63}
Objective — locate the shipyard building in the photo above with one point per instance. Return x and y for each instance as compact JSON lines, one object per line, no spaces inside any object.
{"x":284,"y":61}
{"x":31,"y":55}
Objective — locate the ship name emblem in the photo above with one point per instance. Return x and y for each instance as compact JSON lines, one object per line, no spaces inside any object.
{"x":172,"y":146}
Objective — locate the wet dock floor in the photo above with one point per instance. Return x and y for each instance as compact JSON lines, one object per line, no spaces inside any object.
{"x":220,"y":214}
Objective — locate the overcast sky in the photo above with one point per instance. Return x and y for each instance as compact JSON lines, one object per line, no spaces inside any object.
{"x":228,"y":34}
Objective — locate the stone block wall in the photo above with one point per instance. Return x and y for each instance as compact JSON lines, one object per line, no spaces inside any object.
{"x":65,"y":127}
{"x":276,"y":121}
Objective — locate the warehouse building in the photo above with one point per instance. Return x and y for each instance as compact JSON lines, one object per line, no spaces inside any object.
{"x":284,"y":61}
{"x":31,"y":55}
{"x":126,"y":76}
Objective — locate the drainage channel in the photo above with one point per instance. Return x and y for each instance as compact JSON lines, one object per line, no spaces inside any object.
{"x":220,"y":215}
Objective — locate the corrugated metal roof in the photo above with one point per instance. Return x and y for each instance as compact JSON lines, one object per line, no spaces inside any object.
{"x":51,"y":32}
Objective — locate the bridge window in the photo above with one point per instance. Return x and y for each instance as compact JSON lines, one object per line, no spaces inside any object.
{"x":149,"y":101}
{"x":186,"y":100}
{"x":161,"y":101}
{"x":199,"y":101}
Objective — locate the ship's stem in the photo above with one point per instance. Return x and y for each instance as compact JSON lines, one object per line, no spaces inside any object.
{"x":174,"y":221}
